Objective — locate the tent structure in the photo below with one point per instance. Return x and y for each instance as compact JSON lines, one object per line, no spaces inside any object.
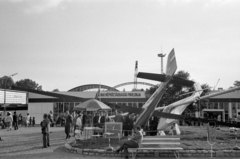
{"x":91,"y":105}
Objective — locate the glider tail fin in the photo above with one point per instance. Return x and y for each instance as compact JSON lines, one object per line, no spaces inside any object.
{"x":171,"y":64}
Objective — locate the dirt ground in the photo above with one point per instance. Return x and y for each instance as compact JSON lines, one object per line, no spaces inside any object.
{"x":26,"y":143}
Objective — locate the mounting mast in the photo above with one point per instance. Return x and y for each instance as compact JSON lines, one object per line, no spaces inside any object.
{"x":135,"y":76}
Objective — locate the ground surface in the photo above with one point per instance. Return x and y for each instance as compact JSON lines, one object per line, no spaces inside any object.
{"x":192,"y":138}
{"x":26,"y":143}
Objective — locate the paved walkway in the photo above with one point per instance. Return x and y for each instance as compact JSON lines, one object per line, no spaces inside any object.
{"x":26,"y":143}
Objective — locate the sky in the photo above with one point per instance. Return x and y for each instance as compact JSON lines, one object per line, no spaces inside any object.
{"x":62,"y":44}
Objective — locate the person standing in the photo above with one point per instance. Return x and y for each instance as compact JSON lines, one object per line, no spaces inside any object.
{"x":45,"y":130}
{"x":78,"y":125}
{"x":89,"y":119}
{"x":84,"y":119}
{"x":103,"y":119}
{"x":33,"y":122}
{"x":20,"y":119}
{"x":28,"y":119}
{"x":118,"y":117}
{"x":96,"y":120}
{"x":15,"y":121}
{"x":9,"y":121}
{"x":50,"y":117}
{"x":68,"y":124}
{"x":126,"y":125}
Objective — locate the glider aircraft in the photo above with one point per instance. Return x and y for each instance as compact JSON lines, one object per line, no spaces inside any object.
{"x":168,"y":114}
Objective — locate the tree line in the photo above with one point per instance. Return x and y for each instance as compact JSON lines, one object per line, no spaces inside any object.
{"x":6,"y":82}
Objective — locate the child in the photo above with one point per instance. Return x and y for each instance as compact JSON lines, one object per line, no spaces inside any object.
{"x":33,"y":122}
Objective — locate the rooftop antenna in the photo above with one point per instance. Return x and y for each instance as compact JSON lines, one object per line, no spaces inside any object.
{"x":161,"y":55}
{"x":216,"y":84}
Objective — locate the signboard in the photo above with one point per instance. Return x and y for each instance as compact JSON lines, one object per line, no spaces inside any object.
{"x":114,"y":129}
{"x":1,"y":96}
{"x":13,"y":97}
{"x":122,"y":94}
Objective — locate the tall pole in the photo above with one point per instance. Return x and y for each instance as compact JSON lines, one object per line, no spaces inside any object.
{"x":5,"y":89}
{"x":162,"y":56}
{"x":135,"y":76}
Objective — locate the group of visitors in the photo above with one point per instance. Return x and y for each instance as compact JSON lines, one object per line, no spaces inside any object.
{"x":10,"y":121}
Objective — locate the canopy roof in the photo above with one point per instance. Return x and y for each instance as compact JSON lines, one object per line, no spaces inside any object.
{"x":92,"y":105}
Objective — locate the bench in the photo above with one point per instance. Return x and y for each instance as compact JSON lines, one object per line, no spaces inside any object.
{"x":158,"y":143}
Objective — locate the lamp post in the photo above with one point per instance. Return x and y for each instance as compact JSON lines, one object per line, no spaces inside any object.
{"x":6,"y":90}
{"x":161,"y":55}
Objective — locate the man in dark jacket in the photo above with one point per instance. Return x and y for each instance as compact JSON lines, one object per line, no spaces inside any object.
{"x":45,"y":131}
{"x":96,"y":120}
{"x":84,"y":119}
{"x":15,"y":121}
{"x":68,"y":124}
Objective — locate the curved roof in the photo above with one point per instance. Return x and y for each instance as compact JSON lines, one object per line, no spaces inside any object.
{"x":130,"y":83}
{"x":91,"y":86}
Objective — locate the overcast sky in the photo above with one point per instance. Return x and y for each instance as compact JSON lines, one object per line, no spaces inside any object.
{"x":67,"y":43}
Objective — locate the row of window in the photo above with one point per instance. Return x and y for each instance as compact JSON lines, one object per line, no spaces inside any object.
{"x":224,"y":106}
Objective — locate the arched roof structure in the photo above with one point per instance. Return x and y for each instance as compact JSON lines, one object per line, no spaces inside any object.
{"x":130,"y":83}
{"x":92,"y":86}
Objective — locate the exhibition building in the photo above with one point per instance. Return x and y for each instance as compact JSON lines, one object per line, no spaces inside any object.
{"x":36,"y":103}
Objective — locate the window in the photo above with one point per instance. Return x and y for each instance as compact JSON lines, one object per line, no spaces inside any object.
{"x":71,"y":106}
{"x":210,"y":106}
{"x":140,"y":105}
{"x":238,"y":105}
{"x":234,"y":110}
{"x":220,"y":105}
{"x":77,"y":104}
{"x":135,"y":105}
{"x":215,"y":105}
{"x":66,"y":107}
{"x":225,"y":107}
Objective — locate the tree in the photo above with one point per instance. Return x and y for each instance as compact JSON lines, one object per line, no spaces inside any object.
{"x":202,"y":104}
{"x":173,"y":91}
{"x":56,"y":90}
{"x":28,"y":84}
{"x":6,"y":81}
{"x":237,"y":84}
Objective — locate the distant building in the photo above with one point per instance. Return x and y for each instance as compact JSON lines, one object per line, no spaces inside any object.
{"x":226,"y":105}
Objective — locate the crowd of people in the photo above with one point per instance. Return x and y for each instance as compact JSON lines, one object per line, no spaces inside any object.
{"x":10,"y":122}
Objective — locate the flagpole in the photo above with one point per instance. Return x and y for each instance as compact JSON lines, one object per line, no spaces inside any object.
{"x":99,"y":92}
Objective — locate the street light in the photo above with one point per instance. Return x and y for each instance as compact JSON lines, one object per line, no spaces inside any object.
{"x":7,"y":77}
{"x":161,"y":55}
